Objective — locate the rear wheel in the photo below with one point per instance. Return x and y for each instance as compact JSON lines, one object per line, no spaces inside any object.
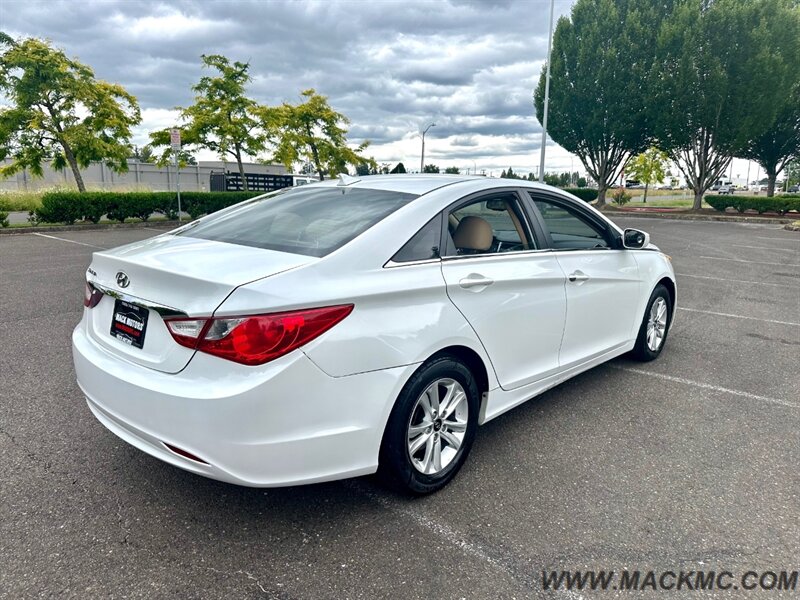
{"x":431,"y":428}
{"x":655,"y":326}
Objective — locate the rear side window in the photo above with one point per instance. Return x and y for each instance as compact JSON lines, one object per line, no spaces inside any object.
{"x":424,"y":245}
{"x":311,"y":220}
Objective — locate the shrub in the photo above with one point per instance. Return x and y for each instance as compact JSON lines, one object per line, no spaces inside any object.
{"x":60,"y":207}
{"x":68,"y":207}
{"x":620,"y":197}
{"x":4,"y":219}
{"x":585,"y":194}
{"x":779,"y":204}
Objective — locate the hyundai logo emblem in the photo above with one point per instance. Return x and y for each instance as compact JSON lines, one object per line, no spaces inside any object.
{"x":122,"y":280}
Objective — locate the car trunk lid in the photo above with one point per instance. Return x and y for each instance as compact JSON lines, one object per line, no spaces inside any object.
{"x":146,"y":282}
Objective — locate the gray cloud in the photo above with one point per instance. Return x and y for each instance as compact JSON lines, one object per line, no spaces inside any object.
{"x":391,"y":66}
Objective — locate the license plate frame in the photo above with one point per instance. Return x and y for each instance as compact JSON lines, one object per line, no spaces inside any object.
{"x":129,"y":323}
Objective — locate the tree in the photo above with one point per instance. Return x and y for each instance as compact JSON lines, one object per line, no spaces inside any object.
{"x":222,"y":119}
{"x":400,"y":168}
{"x":648,"y":167}
{"x":712,"y":96}
{"x":363,"y":169}
{"x":144,"y":154}
{"x":60,"y":111}
{"x":793,"y":172}
{"x":312,"y":131}
{"x":776,"y":146}
{"x":430,"y":169}
{"x":452,"y":170}
{"x":581,"y":182}
{"x":564,"y":179}
{"x":600,"y":61}
{"x":777,"y":140}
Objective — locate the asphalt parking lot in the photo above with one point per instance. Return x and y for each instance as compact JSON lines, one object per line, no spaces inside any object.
{"x":689,"y":462}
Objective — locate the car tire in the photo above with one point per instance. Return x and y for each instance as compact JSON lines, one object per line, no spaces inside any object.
{"x":414,"y":433}
{"x":655,"y":326}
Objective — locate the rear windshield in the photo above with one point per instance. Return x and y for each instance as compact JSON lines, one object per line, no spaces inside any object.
{"x":310,"y":220}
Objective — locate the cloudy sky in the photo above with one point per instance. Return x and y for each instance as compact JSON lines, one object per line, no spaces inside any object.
{"x":391,"y":66}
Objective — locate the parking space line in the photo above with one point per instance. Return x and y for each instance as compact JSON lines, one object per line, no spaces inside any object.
{"x":767,"y":248}
{"x":777,"y":239}
{"x":708,"y":386}
{"x":52,"y":237}
{"x":443,"y":531}
{"x":752,"y":262}
{"x":719,"y":314}
{"x":789,"y":285}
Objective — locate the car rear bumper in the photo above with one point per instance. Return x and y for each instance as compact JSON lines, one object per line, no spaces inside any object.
{"x":283,"y":423}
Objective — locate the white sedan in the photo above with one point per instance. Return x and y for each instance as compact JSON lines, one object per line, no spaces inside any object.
{"x":360,"y":325}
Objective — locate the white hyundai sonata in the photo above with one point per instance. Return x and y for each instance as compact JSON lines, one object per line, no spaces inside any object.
{"x":360,"y":325}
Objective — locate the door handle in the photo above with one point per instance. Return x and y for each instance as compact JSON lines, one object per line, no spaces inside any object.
{"x":578,"y":276}
{"x":474,"y":280}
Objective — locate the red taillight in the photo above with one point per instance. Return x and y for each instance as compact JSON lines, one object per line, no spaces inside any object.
{"x":256,"y":339}
{"x":91,"y":296}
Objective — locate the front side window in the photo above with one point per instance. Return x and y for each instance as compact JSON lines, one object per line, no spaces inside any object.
{"x":487,"y":226}
{"x":311,"y":220}
{"x":569,"y":230}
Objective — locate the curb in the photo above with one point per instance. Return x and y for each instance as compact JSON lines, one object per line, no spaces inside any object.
{"x":90,"y":227}
{"x":694,"y":217}
{"x":790,"y":227}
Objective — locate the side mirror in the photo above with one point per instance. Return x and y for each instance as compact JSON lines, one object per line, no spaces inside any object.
{"x":635,"y":239}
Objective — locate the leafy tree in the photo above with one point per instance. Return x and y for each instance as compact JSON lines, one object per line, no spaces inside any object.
{"x":363,"y":169}
{"x":793,"y":172}
{"x":315,"y":132}
{"x":430,"y":169}
{"x":143,"y":154}
{"x":775,"y":147}
{"x":777,"y":140}
{"x":222,"y":119}
{"x":60,"y":111}
{"x":509,"y":174}
{"x":551,"y":179}
{"x":581,"y":181}
{"x":564,"y":179}
{"x":400,"y":168}
{"x":715,"y":77}
{"x":452,"y":170}
{"x":600,"y":60}
{"x":648,"y":167}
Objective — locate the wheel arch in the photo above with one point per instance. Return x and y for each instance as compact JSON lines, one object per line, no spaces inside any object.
{"x":669,"y":284}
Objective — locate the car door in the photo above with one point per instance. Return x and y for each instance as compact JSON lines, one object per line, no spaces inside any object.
{"x":509,"y":289}
{"x":602,"y":279}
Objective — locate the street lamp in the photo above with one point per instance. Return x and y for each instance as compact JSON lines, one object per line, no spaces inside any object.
{"x":422,"y":159}
{"x":546,"y":95}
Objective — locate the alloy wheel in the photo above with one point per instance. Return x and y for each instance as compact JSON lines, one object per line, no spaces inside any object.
{"x":657,"y":324}
{"x":437,"y":426}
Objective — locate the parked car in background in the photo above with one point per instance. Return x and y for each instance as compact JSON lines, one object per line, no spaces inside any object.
{"x":343,"y":327}
{"x":725,"y":188}
{"x":794,"y":189}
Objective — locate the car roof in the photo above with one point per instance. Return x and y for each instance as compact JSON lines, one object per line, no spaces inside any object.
{"x":421,"y":184}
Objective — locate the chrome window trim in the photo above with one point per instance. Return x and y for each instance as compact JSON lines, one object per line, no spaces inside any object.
{"x":497,"y":255}
{"x":390,"y":264}
{"x":161,"y":309}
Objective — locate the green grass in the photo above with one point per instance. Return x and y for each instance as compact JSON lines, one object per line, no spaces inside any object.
{"x":20,"y":201}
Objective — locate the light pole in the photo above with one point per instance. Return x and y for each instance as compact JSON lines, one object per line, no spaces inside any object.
{"x":546,"y":95}
{"x":422,"y":159}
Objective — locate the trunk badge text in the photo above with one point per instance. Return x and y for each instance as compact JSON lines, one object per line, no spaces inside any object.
{"x":122,"y":280}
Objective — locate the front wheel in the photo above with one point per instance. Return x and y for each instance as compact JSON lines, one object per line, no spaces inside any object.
{"x":655,"y":326}
{"x":431,"y":429}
